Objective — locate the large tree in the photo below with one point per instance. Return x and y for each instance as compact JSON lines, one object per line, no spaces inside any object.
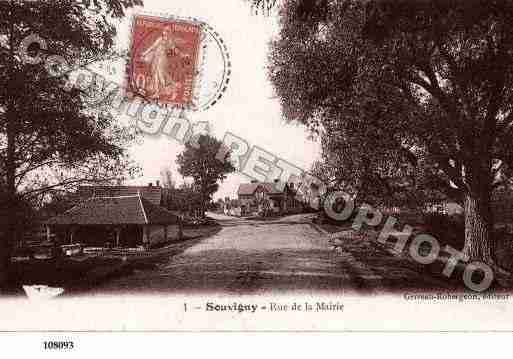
{"x":199,"y":161}
{"x":49,"y":137}
{"x":186,"y":199}
{"x":421,"y":86}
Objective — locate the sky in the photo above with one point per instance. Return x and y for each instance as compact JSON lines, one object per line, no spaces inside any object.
{"x":249,"y":107}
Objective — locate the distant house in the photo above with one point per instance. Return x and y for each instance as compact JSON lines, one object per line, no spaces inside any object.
{"x":280,"y":197}
{"x":115,"y":216}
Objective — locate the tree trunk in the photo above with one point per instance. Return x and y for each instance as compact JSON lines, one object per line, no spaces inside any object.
{"x":478,"y":228}
{"x":4,"y":261}
{"x":180,"y":229}
{"x":10,"y":170}
{"x":10,"y":205}
{"x":204,"y":199}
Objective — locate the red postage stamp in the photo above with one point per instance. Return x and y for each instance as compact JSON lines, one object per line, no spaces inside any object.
{"x":164,"y":60}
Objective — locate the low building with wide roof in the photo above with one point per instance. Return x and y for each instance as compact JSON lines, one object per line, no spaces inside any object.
{"x":121,"y":221}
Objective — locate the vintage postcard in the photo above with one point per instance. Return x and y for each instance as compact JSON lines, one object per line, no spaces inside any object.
{"x":285,"y":165}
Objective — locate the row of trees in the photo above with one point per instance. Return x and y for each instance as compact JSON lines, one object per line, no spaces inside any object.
{"x":51,"y":139}
{"x":412,"y":99}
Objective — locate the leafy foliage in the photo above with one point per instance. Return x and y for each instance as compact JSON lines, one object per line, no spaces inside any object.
{"x":54,"y":137}
{"x":50,"y":139}
{"x":412,"y":99}
{"x":199,"y":161}
{"x":264,"y":6}
{"x":185,"y":199}
{"x":447,"y":229}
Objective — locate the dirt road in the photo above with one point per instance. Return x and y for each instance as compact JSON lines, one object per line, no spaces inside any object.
{"x":288,"y":254}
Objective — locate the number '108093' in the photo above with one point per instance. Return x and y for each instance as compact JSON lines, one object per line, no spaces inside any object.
{"x":57,"y":345}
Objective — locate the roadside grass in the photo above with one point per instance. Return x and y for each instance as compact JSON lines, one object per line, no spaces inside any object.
{"x":334,"y":228}
{"x":193,"y":232}
{"x":399,"y":272}
{"x":262,"y":219}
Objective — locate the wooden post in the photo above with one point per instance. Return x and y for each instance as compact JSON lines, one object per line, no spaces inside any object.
{"x":118,"y":233}
{"x":48,"y":233}
{"x":180,"y":228}
{"x":145,"y":236}
{"x":72,"y":232}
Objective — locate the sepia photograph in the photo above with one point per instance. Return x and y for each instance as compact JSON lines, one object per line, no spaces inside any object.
{"x":256,"y":166}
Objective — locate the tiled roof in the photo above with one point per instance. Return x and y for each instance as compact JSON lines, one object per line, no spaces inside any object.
{"x":157,"y":214}
{"x":151,"y":193}
{"x":115,"y":210}
{"x":270,"y":187}
{"x":274,"y":187}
